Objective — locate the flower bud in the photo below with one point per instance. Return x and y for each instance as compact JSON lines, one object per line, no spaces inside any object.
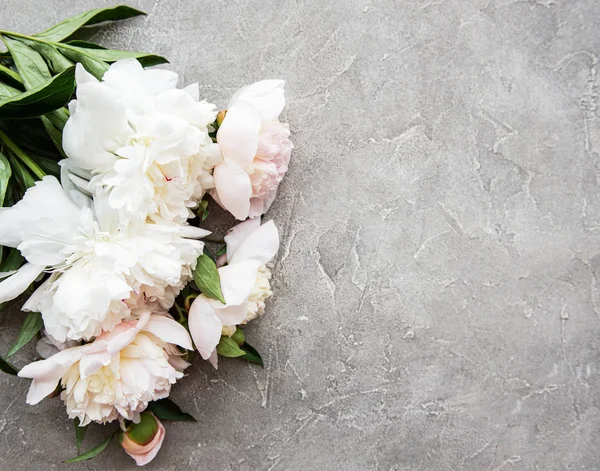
{"x":143,"y":440}
{"x":221,"y":116}
{"x":239,"y":337}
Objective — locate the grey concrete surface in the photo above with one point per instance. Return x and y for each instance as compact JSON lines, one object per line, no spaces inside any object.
{"x":437,"y":303}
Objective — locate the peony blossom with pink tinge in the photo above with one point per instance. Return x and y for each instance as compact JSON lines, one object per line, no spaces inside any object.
{"x":269,"y":165}
{"x":256,"y":150}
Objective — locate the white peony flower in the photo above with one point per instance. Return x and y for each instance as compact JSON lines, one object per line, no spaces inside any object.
{"x":256,"y":150}
{"x":244,"y":283}
{"x":142,"y":140}
{"x":117,"y":374}
{"x":95,"y":264}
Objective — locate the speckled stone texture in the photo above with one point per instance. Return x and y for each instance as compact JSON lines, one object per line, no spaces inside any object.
{"x":437,"y":303}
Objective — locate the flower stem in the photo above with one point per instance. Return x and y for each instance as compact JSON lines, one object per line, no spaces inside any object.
{"x":23,"y":157}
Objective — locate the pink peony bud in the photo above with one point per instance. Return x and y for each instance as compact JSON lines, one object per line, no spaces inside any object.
{"x":143,"y":440}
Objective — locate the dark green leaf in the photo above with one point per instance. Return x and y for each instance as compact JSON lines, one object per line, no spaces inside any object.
{"x":165,"y":409}
{"x":7,"y":367}
{"x":228,"y":348}
{"x":31,"y":326}
{"x":106,"y":55}
{"x":14,"y":260}
{"x":94,"y":66}
{"x":5,"y":174}
{"x":66,"y":28}
{"x":49,"y":166}
{"x":207,"y":278}
{"x":221,"y":251}
{"x":79,"y":433}
{"x":6,"y":91}
{"x":30,"y":64}
{"x":11,"y":76}
{"x":23,"y":175}
{"x":93,"y":452}
{"x":84,"y":44}
{"x":251,"y":354}
{"x":54,"y":134}
{"x":54,"y":58}
{"x":41,"y":100}
{"x":21,"y":155}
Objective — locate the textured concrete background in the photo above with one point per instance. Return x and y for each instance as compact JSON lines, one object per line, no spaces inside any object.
{"x":437,"y":303}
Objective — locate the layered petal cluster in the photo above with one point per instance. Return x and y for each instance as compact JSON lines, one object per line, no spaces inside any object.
{"x":117,"y":374}
{"x":142,"y":140}
{"x":244,"y":282}
{"x":256,"y":150}
{"x":95,"y":264}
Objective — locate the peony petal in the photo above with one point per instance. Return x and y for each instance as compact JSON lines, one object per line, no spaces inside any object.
{"x":237,"y":234}
{"x":261,"y":245}
{"x":214,"y":359}
{"x":191,"y":232}
{"x":267,"y":96}
{"x":16,"y":284}
{"x":237,"y":281}
{"x":238,"y":134}
{"x":234,"y":189}
{"x":205,"y":326}
{"x":169,"y":330}
{"x":234,"y":314}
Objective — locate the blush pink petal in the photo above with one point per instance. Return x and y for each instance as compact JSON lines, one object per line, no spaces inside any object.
{"x":233,"y":188}
{"x":143,"y":454}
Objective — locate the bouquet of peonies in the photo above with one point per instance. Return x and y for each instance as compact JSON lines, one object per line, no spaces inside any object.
{"x":102,"y":203}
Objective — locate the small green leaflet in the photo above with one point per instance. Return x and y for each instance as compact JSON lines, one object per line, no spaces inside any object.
{"x":93,"y":452}
{"x":11,"y":76}
{"x":66,"y":28}
{"x":7,"y":367}
{"x":79,"y":433}
{"x":107,"y":55}
{"x":6,"y":91}
{"x":203,"y":210}
{"x":165,"y":409}
{"x":30,"y":64}
{"x":49,"y":96}
{"x":31,"y":325}
{"x":229,"y":348}
{"x":251,"y":355}
{"x":5,"y":174}
{"x":207,"y":278}
{"x":56,"y":60}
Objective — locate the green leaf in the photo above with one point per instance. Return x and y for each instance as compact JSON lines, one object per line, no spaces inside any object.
{"x":165,"y":409}
{"x":94,"y":66}
{"x":31,"y":326}
{"x":13,"y":261}
{"x":11,"y":76}
{"x":107,"y":55}
{"x":54,"y":134}
{"x":22,"y":156}
{"x":67,"y":27}
{"x":251,"y":355}
{"x":84,"y":44}
{"x":221,"y":251}
{"x":93,"y":452}
{"x":30,"y":64}
{"x":47,"y":97}
{"x":228,"y":348}
{"x":54,"y":58}
{"x":5,"y":174}
{"x":6,"y":91}
{"x":24,"y":177}
{"x":207,"y":278}
{"x":79,"y":433}
{"x":202,"y":210}
{"x":7,"y":367}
